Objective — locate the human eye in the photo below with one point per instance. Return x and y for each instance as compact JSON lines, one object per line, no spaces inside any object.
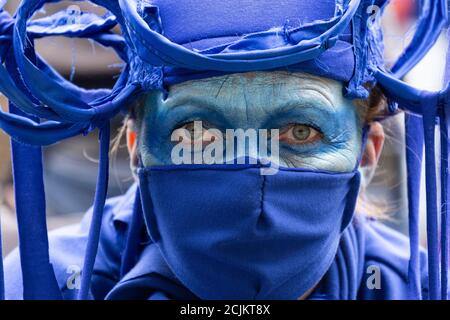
{"x":195,"y":132}
{"x":299,"y":134}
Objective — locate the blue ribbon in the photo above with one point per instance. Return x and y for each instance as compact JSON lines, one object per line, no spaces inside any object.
{"x":99,"y":204}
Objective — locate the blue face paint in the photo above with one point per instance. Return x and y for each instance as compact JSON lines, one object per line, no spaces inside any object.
{"x":275,"y":100}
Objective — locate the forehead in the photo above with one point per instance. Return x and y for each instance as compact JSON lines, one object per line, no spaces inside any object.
{"x":259,"y":88}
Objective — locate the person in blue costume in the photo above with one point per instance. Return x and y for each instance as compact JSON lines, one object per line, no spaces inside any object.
{"x":302,"y":83}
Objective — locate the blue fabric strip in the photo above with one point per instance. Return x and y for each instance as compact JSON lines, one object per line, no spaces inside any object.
{"x":134,"y":236}
{"x":2,"y":275}
{"x":335,"y":63}
{"x":431,"y":22}
{"x":406,"y":96}
{"x":99,"y":204}
{"x":90,"y":108}
{"x":429,"y":110}
{"x":444,"y":200}
{"x":39,"y":281}
{"x":445,"y":167}
{"x":414,"y":155}
{"x":355,"y":87}
{"x":66,"y":102}
{"x":426,"y":104}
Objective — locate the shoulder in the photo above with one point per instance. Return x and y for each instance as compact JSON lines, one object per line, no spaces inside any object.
{"x":386,"y":264}
{"x":67,"y":247}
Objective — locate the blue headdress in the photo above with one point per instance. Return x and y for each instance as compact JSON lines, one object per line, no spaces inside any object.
{"x":164,"y":42}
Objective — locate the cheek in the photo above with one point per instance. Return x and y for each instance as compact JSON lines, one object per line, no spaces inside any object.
{"x":153,"y":149}
{"x":342,"y":159}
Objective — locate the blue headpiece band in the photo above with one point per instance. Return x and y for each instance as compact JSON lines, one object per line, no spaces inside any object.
{"x":164,"y":42}
{"x":226,"y":34}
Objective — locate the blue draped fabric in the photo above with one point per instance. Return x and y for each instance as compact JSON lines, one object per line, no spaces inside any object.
{"x":161,"y":44}
{"x":365,"y":243}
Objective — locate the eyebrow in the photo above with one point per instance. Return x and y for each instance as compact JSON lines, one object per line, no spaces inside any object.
{"x":292,"y":108}
{"x":292,"y":102}
{"x":321,"y":93}
{"x":193,"y":101}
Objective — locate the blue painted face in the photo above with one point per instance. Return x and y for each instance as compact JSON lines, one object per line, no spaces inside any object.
{"x":318,"y":127}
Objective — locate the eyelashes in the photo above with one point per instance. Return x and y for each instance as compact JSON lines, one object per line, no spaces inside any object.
{"x":195,"y":132}
{"x":299,"y":134}
{"x":295,"y":134}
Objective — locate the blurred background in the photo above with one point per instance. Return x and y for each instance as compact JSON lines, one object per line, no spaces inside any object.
{"x":71,"y":167}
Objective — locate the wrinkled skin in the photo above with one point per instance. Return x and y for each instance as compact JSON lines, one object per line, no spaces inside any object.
{"x":261,"y":100}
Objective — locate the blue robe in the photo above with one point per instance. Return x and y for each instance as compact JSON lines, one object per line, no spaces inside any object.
{"x":371,"y":263}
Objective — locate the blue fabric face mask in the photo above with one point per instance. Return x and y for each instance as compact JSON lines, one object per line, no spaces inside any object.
{"x":228,"y":232}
